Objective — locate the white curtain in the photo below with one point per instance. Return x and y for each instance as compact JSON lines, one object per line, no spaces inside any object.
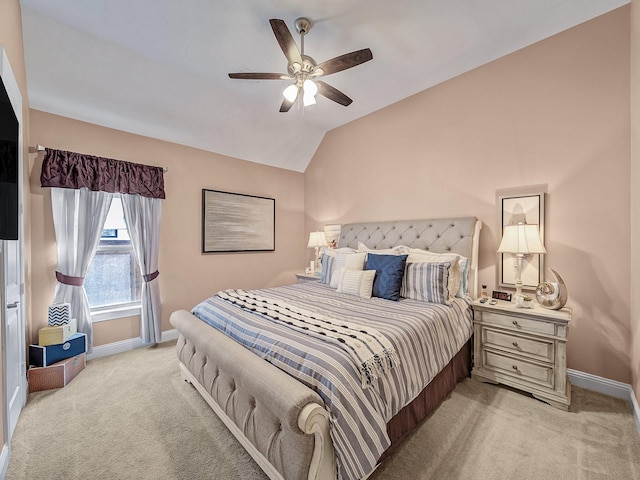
{"x":78,"y":219}
{"x":142,"y":215}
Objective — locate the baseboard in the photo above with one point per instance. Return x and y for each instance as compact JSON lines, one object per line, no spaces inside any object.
{"x":4,"y":460}
{"x":636,"y":410}
{"x":126,"y":345}
{"x":608,"y":387}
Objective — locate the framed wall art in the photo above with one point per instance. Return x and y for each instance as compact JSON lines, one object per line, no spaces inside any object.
{"x":524,"y":205}
{"x":235,"y":222}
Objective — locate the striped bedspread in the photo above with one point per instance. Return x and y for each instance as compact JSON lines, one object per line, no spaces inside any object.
{"x":371,"y":352}
{"x":425,"y":336}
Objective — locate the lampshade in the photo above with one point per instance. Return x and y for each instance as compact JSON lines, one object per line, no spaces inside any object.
{"x":332,"y":232}
{"x":291,"y":92}
{"x":317,"y":239}
{"x":309,"y":89}
{"x":521,"y":238}
{"x":308,"y":100}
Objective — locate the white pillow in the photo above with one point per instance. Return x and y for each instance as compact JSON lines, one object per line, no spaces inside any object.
{"x":417,"y":255}
{"x":352,"y":261}
{"x":384,"y":251}
{"x":332,"y":252}
{"x":355,"y":282}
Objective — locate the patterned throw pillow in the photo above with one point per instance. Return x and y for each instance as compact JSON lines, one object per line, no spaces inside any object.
{"x":427,"y":282}
{"x":327,"y":262}
{"x":327,"y":267}
{"x":352,"y":261}
{"x":457,"y":271}
{"x":355,"y":282}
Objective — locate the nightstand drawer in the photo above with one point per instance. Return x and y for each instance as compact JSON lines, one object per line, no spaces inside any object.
{"x":520,"y":323}
{"x":535,"y":348}
{"x":527,"y":372}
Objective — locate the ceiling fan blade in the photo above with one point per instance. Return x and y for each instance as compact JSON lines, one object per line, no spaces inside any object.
{"x":345,"y":61}
{"x":288,"y":102}
{"x":286,"y":105}
{"x":333,"y":93}
{"x":286,"y":41}
{"x":260,"y":76}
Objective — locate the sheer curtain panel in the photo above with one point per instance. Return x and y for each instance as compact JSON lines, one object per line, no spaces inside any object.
{"x":142,"y":215}
{"x":82,"y":187}
{"x":78,"y":219}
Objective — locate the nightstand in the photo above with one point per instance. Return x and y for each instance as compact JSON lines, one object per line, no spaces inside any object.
{"x":307,"y":277}
{"x":525,"y":348}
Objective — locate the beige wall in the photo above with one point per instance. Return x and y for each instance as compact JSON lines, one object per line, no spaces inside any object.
{"x":635,"y":195}
{"x":187,"y":276}
{"x":11,"y":41}
{"x":555,"y":113}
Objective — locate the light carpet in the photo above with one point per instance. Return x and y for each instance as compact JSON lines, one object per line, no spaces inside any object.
{"x":131,"y":416}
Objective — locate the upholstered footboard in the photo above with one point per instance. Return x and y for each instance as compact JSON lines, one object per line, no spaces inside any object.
{"x":279,"y":421}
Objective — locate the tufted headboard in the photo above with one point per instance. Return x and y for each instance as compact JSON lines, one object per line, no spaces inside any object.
{"x":441,"y":235}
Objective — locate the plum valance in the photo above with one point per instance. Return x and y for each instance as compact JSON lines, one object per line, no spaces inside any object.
{"x":64,"y":169}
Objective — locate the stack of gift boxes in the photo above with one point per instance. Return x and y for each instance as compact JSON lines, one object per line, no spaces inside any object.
{"x":60,"y":354}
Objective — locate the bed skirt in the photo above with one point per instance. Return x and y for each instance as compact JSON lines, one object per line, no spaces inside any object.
{"x":407,"y":419}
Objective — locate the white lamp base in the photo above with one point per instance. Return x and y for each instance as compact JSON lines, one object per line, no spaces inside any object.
{"x":518,"y":297}
{"x":317,"y":262}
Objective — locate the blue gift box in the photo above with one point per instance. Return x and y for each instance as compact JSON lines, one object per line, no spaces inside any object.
{"x":43,"y":356}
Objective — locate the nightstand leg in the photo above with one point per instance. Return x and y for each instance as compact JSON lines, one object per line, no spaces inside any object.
{"x":558,"y":405}
{"x":562,"y":405}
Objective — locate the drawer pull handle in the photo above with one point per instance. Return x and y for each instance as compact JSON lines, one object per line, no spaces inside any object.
{"x":515,"y":344}
{"x":515,"y":322}
{"x":515,"y":367}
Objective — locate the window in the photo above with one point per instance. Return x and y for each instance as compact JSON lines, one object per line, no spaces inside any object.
{"x":113,"y":281}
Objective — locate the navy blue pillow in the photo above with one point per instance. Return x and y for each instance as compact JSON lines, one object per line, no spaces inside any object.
{"x":389,"y":272}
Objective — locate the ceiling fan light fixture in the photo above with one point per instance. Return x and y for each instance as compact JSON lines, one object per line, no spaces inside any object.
{"x":308,"y":100}
{"x":310,"y":88}
{"x":290,"y":93}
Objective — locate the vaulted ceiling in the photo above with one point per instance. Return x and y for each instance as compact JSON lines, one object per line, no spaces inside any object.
{"x":160,"y":68}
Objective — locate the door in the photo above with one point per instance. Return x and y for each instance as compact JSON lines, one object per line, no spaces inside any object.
{"x":12,"y":282}
{"x":13,"y":334}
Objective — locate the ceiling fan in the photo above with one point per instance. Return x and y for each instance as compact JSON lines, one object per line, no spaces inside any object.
{"x":303,"y":70}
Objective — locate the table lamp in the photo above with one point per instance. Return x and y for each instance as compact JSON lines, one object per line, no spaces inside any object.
{"x":317,"y":240}
{"x":521,"y":240}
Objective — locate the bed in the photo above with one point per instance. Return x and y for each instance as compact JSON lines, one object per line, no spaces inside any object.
{"x":309,"y":427}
